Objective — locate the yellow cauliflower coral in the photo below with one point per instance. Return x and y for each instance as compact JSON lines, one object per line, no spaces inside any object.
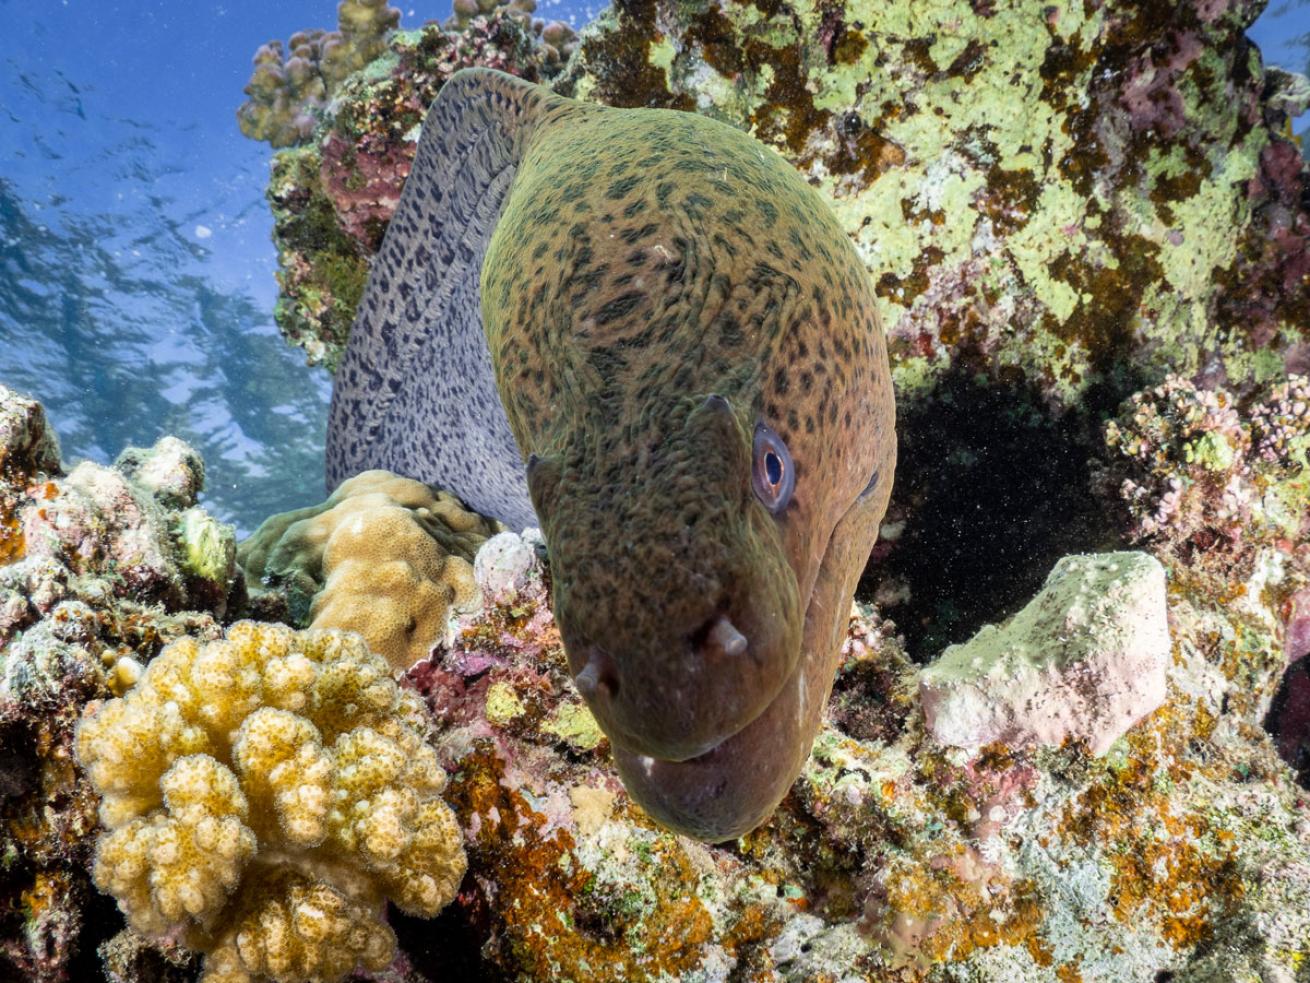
{"x":385,"y":556}
{"x":263,"y":796}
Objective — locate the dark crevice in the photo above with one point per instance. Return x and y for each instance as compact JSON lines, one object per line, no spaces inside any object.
{"x":991,"y":490}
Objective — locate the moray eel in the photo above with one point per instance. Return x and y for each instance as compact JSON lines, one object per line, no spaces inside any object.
{"x":644,"y":331}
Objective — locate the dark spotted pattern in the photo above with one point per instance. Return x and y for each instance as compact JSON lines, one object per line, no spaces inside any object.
{"x":415,"y":393}
{"x":643,"y":261}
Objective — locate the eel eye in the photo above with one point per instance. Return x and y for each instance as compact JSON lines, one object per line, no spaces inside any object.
{"x":772,"y":473}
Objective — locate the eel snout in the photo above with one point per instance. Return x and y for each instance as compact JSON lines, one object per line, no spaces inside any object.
{"x":676,"y":694}
{"x":719,"y":639}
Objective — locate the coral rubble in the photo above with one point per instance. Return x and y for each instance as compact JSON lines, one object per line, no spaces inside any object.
{"x":262,"y":794}
{"x":1218,"y":487}
{"x":385,"y":556}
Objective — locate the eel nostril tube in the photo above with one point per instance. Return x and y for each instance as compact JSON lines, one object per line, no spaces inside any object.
{"x":596,"y":677}
{"x":725,"y":635}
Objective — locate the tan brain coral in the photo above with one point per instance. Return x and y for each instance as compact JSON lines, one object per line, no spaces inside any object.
{"x":384,"y":556}
{"x":264,"y":795}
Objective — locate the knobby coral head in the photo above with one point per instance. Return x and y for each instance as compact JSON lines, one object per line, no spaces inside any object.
{"x":264,"y":795}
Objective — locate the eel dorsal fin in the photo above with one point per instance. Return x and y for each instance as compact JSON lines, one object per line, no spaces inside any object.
{"x":415,"y":392}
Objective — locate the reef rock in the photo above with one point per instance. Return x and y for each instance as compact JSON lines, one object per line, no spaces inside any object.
{"x":1182,"y":852}
{"x":332,"y":199}
{"x":99,"y":568}
{"x":1068,"y":196}
{"x":1062,"y":194}
{"x":1086,"y":659}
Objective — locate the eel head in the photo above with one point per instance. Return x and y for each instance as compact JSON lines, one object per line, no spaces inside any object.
{"x":679,"y":611}
{"x":701,"y":612}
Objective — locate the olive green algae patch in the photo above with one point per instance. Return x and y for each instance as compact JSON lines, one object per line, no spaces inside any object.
{"x":1086,"y":658}
{"x":1069,"y":192}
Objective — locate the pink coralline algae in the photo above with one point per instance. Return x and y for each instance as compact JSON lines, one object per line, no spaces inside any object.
{"x":369,"y":143}
{"x":1290,"y":720}
{"x":1208,"y":474}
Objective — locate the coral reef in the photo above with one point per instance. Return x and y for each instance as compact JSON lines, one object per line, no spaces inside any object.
{"x":1046,"y":234}
{"x":1066,"y":195}
{"x":384,"y":556}
{"x":1085,"y":659}
{"x":1182,"y":853}
{"x":1067,"y":229}
{"x":1218,"y":487}
{"x":1061,"y":206}
{"x":332,"y":200}
{"x":286,"y":91}
{"x":261,"y":795}
{"x":99,"y":568}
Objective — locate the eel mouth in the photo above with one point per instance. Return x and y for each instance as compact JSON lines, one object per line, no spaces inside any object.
{"x":735,"y":644}
{"x":681,"y":699}
{"x":734,"y":784}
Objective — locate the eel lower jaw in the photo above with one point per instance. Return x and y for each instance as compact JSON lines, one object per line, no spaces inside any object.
{"x":735,"y":785}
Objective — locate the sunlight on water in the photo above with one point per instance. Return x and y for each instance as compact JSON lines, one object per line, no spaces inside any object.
{"x":136,"y":284}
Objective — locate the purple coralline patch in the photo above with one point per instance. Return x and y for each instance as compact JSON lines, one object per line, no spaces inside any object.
{"x":1289,"y":721}
{"x":1297,"y":644}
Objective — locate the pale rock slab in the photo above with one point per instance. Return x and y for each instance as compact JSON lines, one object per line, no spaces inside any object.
{"x":1086,"y":658}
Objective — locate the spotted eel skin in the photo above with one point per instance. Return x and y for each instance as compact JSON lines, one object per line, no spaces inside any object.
{"x":584,"y":317}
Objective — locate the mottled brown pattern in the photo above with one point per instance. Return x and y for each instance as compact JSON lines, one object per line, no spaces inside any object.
{"x":642,"y":262}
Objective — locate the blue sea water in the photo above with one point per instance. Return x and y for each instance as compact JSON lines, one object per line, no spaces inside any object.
{"x":136,"y":267}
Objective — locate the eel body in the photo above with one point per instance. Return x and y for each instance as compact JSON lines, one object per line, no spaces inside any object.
{"x":643,"y":331}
